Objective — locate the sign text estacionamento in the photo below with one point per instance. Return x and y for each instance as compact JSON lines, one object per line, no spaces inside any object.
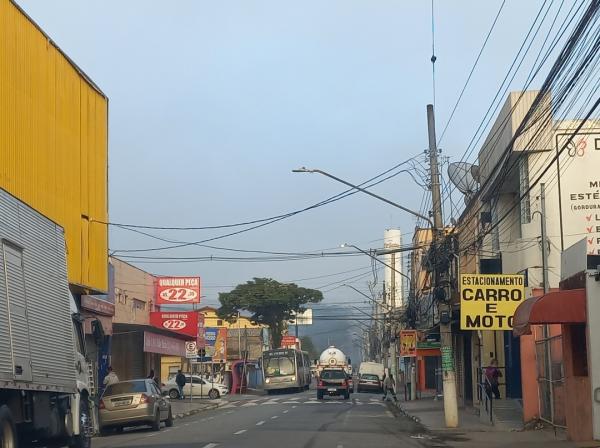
{"x":489,"y":301}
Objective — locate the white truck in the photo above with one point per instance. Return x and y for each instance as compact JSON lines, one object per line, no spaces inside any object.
{"x":44,"y":390}
{"x":334,"y":357}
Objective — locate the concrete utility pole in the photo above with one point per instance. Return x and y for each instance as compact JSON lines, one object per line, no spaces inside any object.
{"x":544,"y":238}
{"x":449,"y":375}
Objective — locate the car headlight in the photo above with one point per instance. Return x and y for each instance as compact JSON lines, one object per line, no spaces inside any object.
{"x":268,"y":380}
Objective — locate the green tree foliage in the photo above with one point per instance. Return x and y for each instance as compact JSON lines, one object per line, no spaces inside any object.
{"x":309,"y":346}
{"x":270,"y":302}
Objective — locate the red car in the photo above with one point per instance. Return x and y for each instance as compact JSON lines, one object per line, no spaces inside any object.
{"x":333,"y":382}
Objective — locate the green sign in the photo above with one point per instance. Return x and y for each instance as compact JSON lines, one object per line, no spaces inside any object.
{"x":447,"y":359}
{"x":427,"y":344}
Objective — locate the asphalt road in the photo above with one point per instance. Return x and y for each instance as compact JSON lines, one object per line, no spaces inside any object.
{"x":287,"y":420}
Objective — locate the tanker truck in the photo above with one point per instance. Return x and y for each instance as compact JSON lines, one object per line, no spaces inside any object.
{"x":333,"y":357}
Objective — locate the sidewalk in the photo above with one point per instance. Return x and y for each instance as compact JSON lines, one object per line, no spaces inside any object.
{"x":473,"y":433}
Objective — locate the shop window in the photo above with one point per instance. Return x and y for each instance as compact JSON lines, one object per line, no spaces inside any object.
{"x":219,"y":322}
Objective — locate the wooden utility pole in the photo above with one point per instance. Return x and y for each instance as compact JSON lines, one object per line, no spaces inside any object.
{"x":448,"y":372}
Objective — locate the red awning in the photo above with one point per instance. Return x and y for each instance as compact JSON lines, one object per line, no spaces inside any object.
{"x":560,"y":307}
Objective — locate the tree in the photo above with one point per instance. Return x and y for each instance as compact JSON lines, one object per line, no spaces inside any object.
{"x":270,"y":302}
{"x":309,"y":346}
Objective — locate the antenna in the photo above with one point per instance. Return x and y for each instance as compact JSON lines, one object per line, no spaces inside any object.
{"x":461,"y":175}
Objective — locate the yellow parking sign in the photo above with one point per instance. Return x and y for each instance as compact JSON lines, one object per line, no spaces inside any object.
{"x":489,"y":301}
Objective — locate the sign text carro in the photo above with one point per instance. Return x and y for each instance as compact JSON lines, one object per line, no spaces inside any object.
{"x":489,"y":301}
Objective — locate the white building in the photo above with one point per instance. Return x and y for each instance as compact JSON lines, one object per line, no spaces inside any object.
{"x":394,"y":281}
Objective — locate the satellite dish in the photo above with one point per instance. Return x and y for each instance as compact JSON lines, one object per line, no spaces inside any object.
{"x":461,"y":176}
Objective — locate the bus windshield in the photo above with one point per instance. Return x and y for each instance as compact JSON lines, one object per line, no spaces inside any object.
{"x":279,"y":366}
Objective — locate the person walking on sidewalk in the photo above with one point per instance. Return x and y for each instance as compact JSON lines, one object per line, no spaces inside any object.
{"x":111,"y":377}
{"x":180,"y":380}
{"x":492,"y":373}
{"x":388,"y":386}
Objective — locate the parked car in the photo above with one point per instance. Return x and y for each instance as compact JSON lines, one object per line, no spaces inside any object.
{"x":369,"y":382}
{"x":333,"y":381}
{"x":199,"y":387}
{"x":134,"y":403}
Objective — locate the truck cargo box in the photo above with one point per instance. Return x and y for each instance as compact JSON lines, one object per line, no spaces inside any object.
{"x":36,"y":329}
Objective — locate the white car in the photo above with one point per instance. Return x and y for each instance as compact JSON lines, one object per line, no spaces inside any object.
{"x":199,"y":387}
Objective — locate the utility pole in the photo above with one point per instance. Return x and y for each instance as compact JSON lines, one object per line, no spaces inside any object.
{"x":449,"y":375}
{"x":544,"y":238}
{"x":393,"y":330}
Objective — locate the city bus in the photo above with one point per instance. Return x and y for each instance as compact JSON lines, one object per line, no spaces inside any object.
{"x":286,"y":368}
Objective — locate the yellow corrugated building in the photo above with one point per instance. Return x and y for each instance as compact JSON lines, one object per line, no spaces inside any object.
{"x":54,"y":142}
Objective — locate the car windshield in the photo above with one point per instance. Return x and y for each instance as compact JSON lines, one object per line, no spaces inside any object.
{"x":279,"y":366}
{"x":126,"y":387}
{"x":333,"y":375}
{"x":368,"y":376}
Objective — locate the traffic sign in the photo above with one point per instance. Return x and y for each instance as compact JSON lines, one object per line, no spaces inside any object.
{"x":191,"y":351}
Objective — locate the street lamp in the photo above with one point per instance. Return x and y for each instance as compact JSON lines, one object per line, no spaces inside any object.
{"x":363,"y":190}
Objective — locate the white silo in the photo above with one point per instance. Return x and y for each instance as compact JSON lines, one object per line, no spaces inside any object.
{"x":393,"y":280}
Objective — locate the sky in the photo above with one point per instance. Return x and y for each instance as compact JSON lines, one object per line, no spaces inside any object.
{"x":212,"y":104}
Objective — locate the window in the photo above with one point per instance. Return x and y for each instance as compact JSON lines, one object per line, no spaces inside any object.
{"x":126,"y":387}
{"x":219,"y":322}
{"x":333,"y":375}
{"x":279,"y":366}
{"x":523,"y":186}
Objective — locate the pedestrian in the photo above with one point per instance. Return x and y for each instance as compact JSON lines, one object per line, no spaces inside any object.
{"x":111,"y":377}
{"x":492,"y":374}
{"x":388,"y":386}
{"x":180,"y":380}
{"x":152,"y":376}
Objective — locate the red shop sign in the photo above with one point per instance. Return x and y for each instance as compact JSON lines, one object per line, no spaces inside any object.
{"x":177,"y":290}
{"x":184,"y":322}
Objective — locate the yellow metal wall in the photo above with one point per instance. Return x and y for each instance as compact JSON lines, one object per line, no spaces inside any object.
{"x":53,"y":142}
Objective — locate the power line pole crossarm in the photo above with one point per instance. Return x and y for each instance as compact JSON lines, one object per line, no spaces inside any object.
{"x":448,"y":372}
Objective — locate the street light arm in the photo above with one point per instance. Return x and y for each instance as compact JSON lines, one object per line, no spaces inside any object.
{"x":363,"y":190}
{"x":367,"y":297}
{"x":378,"y":260}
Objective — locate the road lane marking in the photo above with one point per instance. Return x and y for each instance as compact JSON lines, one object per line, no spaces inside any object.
{"x":262,"y":422}
{"x":274,"y":417}
{"x":389,"y":414}
{"x":286,"y":411}
{"x":294,"y":407}
{"x":247,"y":405}
{"x":241,"y":431}
{"x":210,"y":445}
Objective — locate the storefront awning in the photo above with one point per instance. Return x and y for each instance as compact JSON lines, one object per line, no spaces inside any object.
{"x":560,"y":307}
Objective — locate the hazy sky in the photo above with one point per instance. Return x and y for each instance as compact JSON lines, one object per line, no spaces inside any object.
{"x":212,"y":103}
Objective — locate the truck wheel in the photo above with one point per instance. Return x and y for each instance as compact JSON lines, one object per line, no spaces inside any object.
{"x":83,"y":439}
{"x":8,"y":431}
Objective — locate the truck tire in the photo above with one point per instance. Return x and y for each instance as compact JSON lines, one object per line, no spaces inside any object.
{"x":83,"y":439}
{"x":8,"y":431}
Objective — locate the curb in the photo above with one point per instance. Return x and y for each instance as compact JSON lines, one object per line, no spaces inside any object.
{"x":209,"y":407}
{"x":406,"y":414}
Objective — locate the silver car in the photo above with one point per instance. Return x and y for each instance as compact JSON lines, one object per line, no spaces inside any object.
{"x":134,"y":403}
